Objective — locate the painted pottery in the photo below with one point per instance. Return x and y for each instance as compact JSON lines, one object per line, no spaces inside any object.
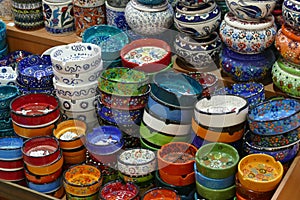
{"x":88,"y":3}
{"x":16,"y":175}
{"x":88,"y":117}
{"x":42,"y":179}
{"x":7,"y":94}
{"x":115,"y":16}
{"x":161,"y":193}
{"x":117,"y":189}
{"x":79,"y":105}
{"x":291,"y":13}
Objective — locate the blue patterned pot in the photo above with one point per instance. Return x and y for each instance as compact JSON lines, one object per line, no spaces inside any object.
{"x":115,"y":16}
{"x":2,"y":35}
{"x":291,"y":13}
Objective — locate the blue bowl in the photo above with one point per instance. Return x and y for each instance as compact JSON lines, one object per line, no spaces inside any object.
{"x":10,"y":148}
{"x":12,"y":59}
{"x":7,"y":93}
{"x":213,"y":183}
{"x":151,"y":2}
{"x":31,"y":90}
{"x":2,"y":34}
{"x":4,"y":52}
{"x":45,"y":187}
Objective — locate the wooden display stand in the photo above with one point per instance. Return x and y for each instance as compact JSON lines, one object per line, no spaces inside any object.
{"x":38,"y":41}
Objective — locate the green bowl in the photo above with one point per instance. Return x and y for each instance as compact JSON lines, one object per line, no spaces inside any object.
{"x":217,"y":160}
{"x":212,"y":194}
{"x":146,"y":146}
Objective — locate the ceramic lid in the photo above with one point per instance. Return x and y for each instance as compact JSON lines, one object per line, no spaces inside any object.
{"x":149,"y":8}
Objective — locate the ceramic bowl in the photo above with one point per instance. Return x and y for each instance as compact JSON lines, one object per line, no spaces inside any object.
{"x":145,"y":144}
{"x":28,"y":19}
{"x":12,"y":175}
{"x":82,"y":180}
{"x":45,"y":187}
{"x":291,"y":13}
{"x":79,"y":105}
{"x":11,"y":165}
{"x":118,"y":3}
{"x":88,"y":3}
{"x":88,"y":117}
{"x":217,"y":160}
{"x":37,"y":179}
{"x":123,"y":81}
{"x":221,"y":111}
{"x":274,"y":117}
{"x":27,"y":90}
{"x":70,"y":133}
{"x":183,"y":180}
{"x":208,"y":80}
{"x":247,"y":37}
{"x":109,"y":38}
{"x":34,"y":110}
{"x":76,"y":57}
{"x":117,"y":189}
{"x":266,"y":176}
{"x":161,"y":193}
{"x":251,"y":10}
{"x":137,"y":162}
{"x":10,"y":148}
{"x":12,"y":59}
{"x":8,"y":75}
{"x":176,"y":158}
{"x":75,"y":156}
{"x":7,"y":94}
{"x":184,"y":92}
{"x":218,"y":194}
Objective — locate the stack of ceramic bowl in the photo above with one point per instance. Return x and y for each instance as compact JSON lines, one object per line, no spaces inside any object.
{"x":43,"y":161}
{"x":76,"y":68}
{"x":274,"y":127}
{"x":3,"y":43}
{"x":258,"y":177}
{"x":119,"y":190}
{"x":8,"y":93}
{"x":11,"y":162}
{"x":215,"y":169}
{"x":34,"y":114}
{"x":70,"y":134}
{"x":110,"y":39}
{"x":198,"y":45}
{"x":34,"y":75}
{"x":176,"y":167}
{"x":248,"y":31}
{"x":169,"y":110}
{"x":220,"y":118}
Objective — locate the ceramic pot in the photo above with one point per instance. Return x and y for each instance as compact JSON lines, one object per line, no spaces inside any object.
{"x":88,"y":3}
{"x":247,"y":37}
{"x":117,"y":189}
{"x":200,"y":21}
{"x":11,"y":148}
{"x":5,"y":10}
{"x":143,"y":18}
{"x":42,"y":179}
{"x":8,"y":75}
{"x":89,"y":117}
{"x":141,"y":181}
{"x":115,"y":16}
{"x":291,"y":13}
{"x":45,"y":187}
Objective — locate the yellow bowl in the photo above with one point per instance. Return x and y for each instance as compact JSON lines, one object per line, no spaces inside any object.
{"x":260,"y":172}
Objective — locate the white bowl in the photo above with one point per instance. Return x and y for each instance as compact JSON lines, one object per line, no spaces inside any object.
{"x":86,"y":116}
{"x":80,"y":105}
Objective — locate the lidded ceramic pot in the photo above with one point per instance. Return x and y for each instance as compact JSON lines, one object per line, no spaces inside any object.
{"x":291,"y":13}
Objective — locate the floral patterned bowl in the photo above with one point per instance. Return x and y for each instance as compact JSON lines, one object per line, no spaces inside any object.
{"x":274,"y":117}
{"x":117,"y":189}
{"x":7,"y":94}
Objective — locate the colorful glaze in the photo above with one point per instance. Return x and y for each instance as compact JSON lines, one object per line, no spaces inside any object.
{"x":161,"y":193}
{"x":116,"y":190}
{"x":291,"y":13}
{"x":7,"y":94}
{"x":220,"y":194}
{"x":78,"y":105}
{"x":115,"y":16}
{"x":88,"y":3}
{"x":11,"y":148}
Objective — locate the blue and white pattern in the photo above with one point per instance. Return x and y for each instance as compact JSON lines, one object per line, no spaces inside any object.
{"x":291,"y":13}
{"x":116,"y":18}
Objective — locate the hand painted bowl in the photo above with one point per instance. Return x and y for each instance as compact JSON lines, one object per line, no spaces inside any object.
{"x":208,"y":80}
{"x":34,"y":110}
{"x":45,"y":187}
{"x":10,"y":148}
{"x":145,"y":54}
{"x":161,"y":193}
{"x":182,"y":180}
{"x":117,"y":189}
{"x":76,"y":58}
{"x":37,"y":179}
{"x":217,"y":160}
{"x":70,"y":133}
{"x":12,"y":175}
{"x":8,"y":75}
{"x":221,"y":111}
{"x":274,"y":117}
{"x":218,"y":194}
{"x":176,"y":158}
{"x":259,"y":172}
{"x":82,"y":180}
{"x":291,"y":13}
{"x":27,"y":90}
{"x":123,"y":81}
{"x":79,"y":105}
{"x":88,"y":117}
{"x":137,"y":162}
{"x":11,"y":165}
{"x":7,"y":94}
{"x":176,"y":88}
{"x":109,"y":38}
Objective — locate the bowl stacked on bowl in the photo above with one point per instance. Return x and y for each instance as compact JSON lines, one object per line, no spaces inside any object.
{"x":76,"y":68}
{"x":43,"y":161}
{"x":274,"y":127}
{"x":215,"y":169}
{"x":3,"y":43}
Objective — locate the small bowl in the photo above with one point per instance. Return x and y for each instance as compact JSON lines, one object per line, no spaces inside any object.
{"x":259,"y":172}
{"x":7,"y":94}
{"x":12,"y":59}
{"x":12,"y":175}
{"x":11,"y":165}
{"x":37,"y":179}
{"x":161,"y":193}
{"x":79,"y":105}
{"x":137,"y":162}
{"x":217,"y":160}
{"x":183,"y":180}
{"x":141,"y":181}
{"x":70,"y":133}
{"x":10,"y":148}
{"x":30,"y":90}
{"x":45,"y":187}
{"x":34,"y":110}
{"x":208,"y":193}
{"x":82,"y":180}
{"x":176,"y":158}
{"x":89,"y":117}
{"x":117,"y":189}
{"x":274,"y":117}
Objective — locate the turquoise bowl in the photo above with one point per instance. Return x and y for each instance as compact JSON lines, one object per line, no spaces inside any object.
{"x":2,"y":34}
{"x":7,"y":93}
{"x":4,"y":52}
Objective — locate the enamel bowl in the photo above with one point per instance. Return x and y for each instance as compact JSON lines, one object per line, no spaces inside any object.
{"x":208,"y":193}
{"x":45,"y":187}
{"x":117,"y":189}
{"x":10,"y":148}
{"x":274,"y":117}
{"x":291,"y":13}
{"x":161,"y":193}
{"x":37,"y":179}
{"x":183,"y":180}
{"x":260,"y":172}
{"x":11,"y":165}
{"x":78,"y":105}
{"x":7,"y":94}
{"x":16,"y":175}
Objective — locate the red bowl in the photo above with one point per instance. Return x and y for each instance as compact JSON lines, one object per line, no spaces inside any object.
{"x":34,"y":110}
{"x":12,"y":175}
{"x":40,"y":151}
{"x":42,"y":179}
{"x":11,"y":165}
{"x":149,"y":67}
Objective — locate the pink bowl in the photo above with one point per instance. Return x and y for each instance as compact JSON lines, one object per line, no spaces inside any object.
{"x":11,"y":165}
{"x":36,"y":110}
{"x":12,"y":175}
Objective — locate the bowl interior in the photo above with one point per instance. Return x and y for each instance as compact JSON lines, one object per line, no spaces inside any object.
{"x":137,"y":156}
{"x":124,"y":75}
{"x":40,"y":146}
{"x":82,"y":175}
{"x":70,"y":130}
{"x":117,"y":189}
{"x":104,"y":136}
{"x":10,"y":143}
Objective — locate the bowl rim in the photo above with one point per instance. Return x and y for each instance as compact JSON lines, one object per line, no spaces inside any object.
{"x":15,"y":138}
{"x":136,"y":164}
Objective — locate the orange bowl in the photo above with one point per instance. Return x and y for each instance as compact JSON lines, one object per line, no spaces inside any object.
{"x":33,"y":132}
{"x":183,"y":180}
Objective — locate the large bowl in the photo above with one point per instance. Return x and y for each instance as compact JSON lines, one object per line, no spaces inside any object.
{"x":274,"y":117}
{"x":118,"y":189}
{"x":7,"y":94}
{"x":10,"y":148}
{"x":259,"y":172}
{"x":34,"y":110}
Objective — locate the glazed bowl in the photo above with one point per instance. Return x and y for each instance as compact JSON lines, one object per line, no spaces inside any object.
{"x":70,"y":133}
{"x":8,"y":75}
{"x":79,"y":105}
{"x":88,"y":3}
{"x":221,"y":111}
{"x":7,"y":94}
{"x":176,"y":158}
{"x":141,"y":181}
{"x":149,"y":55}
{"x":184,"y":92}
{"x":274,"y":117}
{"x":75,"y":156}
{"x":208,"y":193}
{"x":88,"y":117}
{"x":28,"y":90}
{"x":217,"y":160}
{"x":76,"y":57}
{"x":208,"y":80}
{"x":82,"y":180}
{"x":12,"y":175}
{"x":267,"y":175}
{"x":251,"y":9}
{"x":145,"y":144}
{"x":5,"y":114}
{"x":109,"y":38}
{"x":137,"y":162}
{"x":12,"y":59}
{"x":10,"y":148}
{"x":117,"y":189}
{"x":123,"y":81}
{"x":161,"y":193}
{"x":182,"y":181}
{"x":291,"y":13}
{"x":11,"y":165}
{"x":45,"y":187}
{"x":34,"y":110}
{"x":37,"y":179}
